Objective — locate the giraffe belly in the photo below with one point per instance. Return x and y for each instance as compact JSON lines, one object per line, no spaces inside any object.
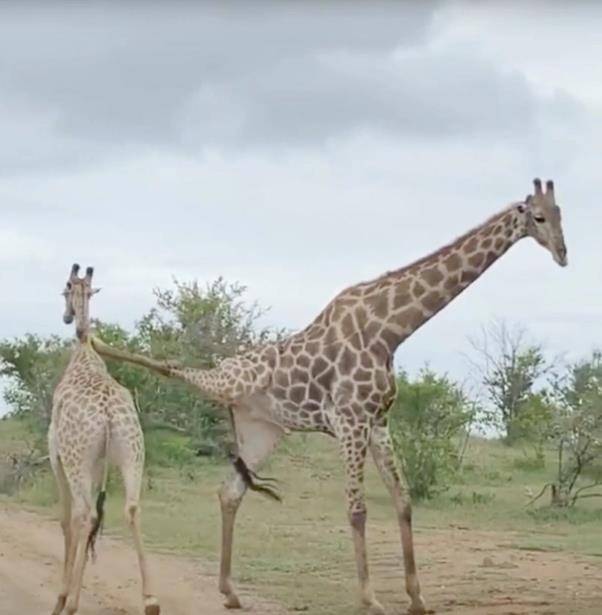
{"x":304,"y":416}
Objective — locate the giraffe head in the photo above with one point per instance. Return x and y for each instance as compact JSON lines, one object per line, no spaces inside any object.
{"x":543,"y":220}
{"x":77,"y":295}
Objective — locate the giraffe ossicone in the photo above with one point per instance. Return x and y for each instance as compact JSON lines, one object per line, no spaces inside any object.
{"x":94,"y":421}
{"x":336,"y":376}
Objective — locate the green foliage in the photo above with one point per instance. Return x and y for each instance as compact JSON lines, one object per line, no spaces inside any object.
{"x":33,"y":366}
{"x":166,"y":448}
{"x":577,"y":430}
{"x":534,"y":425}
{"x":429,"y":418}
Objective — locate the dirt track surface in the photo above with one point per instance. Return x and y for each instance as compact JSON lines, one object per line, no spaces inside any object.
{"x":467,"y":572}
{"x":463,"y":573}
{"x":30,"y":571}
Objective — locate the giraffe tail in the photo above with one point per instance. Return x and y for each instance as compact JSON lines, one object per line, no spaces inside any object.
{"x":100,"y":505}
{"x":255,"y":482}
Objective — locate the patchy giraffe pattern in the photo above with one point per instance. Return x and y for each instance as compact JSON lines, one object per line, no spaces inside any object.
{"x":336,"y":376}
{"x":93,"y":419}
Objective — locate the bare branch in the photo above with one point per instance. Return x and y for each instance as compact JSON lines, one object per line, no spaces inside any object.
{"x":533,"y":500}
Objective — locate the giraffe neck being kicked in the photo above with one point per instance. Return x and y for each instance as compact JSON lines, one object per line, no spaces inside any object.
{"x":400,"y":302}
{"x":84,"y":356}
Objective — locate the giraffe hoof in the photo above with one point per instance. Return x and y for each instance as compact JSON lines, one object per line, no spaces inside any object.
{"x":418,"y":609}
{"x":60,"y":605}
{"x":232,"y":602}
{"x":152,"y":609}
{"x":376,"y":608}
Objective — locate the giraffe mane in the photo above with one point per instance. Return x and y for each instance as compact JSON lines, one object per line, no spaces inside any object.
{"x":440,"y":251}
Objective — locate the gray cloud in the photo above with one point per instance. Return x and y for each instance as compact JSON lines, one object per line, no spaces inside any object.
{"x":98,"y":82}
{"x":418,"y":92}
{"x":122,"y":74}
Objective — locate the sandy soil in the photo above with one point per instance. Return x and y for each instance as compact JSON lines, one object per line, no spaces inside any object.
{"x":466,"y":572}
{"x":30,"y":570}
{"x":463,"y":573}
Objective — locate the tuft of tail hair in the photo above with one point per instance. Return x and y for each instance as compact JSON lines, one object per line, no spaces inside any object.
{"x":100,"y":513}
{"x":255,"y":482}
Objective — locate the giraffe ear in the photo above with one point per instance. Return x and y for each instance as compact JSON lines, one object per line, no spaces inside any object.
{"x":95,"y":290}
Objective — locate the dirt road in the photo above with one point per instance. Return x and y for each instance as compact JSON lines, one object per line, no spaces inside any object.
{"x":468,"y":572}
{"x":30,"y":552}
{"x":463,"y":573}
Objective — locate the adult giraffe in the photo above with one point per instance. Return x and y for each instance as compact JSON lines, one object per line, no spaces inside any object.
{"x":336,"y":376}
{"x":94,"y":421}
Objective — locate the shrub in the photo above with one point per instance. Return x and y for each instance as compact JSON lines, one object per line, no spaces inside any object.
{"x":430,"y":419}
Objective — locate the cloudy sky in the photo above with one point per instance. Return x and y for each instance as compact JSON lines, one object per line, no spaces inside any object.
{"x":297,"y":149}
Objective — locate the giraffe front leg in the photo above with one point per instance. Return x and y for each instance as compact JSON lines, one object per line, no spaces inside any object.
{"x":382,"y":451}
{"x":354,"y":448}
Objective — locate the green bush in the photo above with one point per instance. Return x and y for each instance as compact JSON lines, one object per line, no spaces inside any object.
{"x":429,"y":422}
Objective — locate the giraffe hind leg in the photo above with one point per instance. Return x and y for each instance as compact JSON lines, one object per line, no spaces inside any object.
{"x":82,"y":521}
{"x":78,"y":474}
{"x":130,"y":459}
{"x":256,"y":439}
{"x":382,"y":452}
{"x":65,"y":503}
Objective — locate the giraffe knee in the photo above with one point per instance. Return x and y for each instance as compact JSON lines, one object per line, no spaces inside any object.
{"x":82,"y":515}
{"x":357,"y":519}
{"x":231,"y":493}
{"x":405,"y":512}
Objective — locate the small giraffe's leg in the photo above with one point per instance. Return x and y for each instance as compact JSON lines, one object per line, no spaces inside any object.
{"x":131,"y":463}
{"x":256,"y":440}
{"x":82,"y":520}
{"x":81,"y":474}
{"x":353,"y":439}
{"x":382,"y":451}
{"x":65,"y":503}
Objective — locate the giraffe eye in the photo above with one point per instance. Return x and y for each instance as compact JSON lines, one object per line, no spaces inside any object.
{"x":539,"y":219}
{"x":69,"y":285}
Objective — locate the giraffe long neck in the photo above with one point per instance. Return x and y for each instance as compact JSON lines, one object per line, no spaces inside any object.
{"x":84,"y":356}
{"x":400,"y":302}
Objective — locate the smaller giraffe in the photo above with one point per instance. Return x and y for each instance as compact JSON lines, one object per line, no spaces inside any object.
{"x":94,"y":422}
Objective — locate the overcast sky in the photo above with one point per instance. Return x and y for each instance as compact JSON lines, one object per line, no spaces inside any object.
{"x":297,"y":148}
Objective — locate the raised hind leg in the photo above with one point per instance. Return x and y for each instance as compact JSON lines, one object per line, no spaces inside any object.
{"x":353,"y":438}
{"x":256,"y":439}
{"x":382,"y":451}
{"x":129,"y":453}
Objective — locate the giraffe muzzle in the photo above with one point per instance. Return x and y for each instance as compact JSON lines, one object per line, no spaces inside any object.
{"x":560,"y":257}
